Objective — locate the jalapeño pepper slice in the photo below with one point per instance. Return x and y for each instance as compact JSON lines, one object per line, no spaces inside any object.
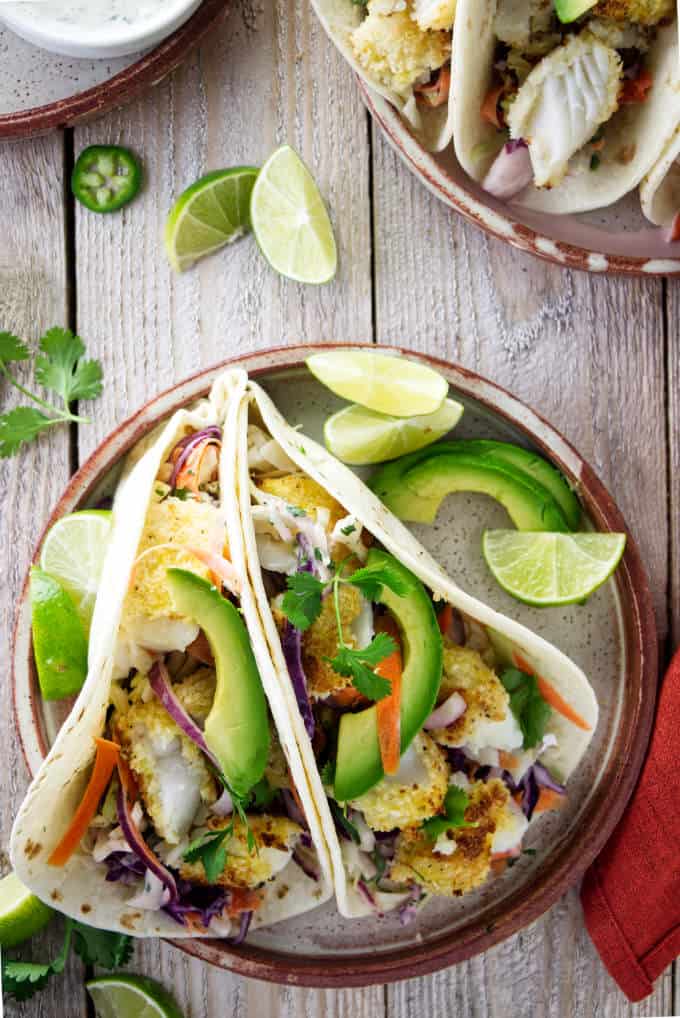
{"x":106,"y":177}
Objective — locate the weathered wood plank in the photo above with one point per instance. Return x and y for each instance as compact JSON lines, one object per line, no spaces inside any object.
{"x":32,"y":298}
{"x":266,"y":77}
{"x":588,"y":353}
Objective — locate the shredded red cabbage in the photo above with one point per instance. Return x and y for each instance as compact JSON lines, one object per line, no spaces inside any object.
{"x":189,"y":443}
{"x":457,"y":758}
{"x":125,"y":867}
{"x":140,"y":848}
{"x":536,"y":778}
{"x":292,"y":651}
{"x":409,"y":909}
{"x":244,"y":926}
{"x":292,"y":808}
{"x":160,"y":683}
{"x":197,"y":903}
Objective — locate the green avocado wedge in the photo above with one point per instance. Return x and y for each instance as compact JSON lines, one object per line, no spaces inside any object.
{"x":570,"y":10}
{"x":414,"y":488}
{"x":359,"y":765}
{"x":237,"y":727}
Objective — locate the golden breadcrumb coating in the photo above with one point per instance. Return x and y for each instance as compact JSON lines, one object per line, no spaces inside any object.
{"x":275,"y":839}
{"x":302,"y":492}
{"x":482,"y":690}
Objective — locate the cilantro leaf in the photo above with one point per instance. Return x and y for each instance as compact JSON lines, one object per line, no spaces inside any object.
{"x":349,"y":529}
{"x":302,"y":601}
{"x":210,"y":850}
{"x":359,"y":664}
{"x":101,"y":947}
{"x":295,"y":510}
{"x":20,"y":425}
{"x":12,"y":348}
{"x":456,"y":802}
{"x":62,"y":369}
{"x":370,"y":580}
{"x":24,"y":978}
{"x":527,"y":704}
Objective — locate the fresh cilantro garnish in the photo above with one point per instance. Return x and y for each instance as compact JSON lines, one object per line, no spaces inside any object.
{"x":456,"y":802}
{"x":317,"y":555}
{"x":359,"y":664}
{"x":302,"y":601}
{"x":210,"y":848}
{"x":343,"y":820}
{"x":527,"y":704}
{"x":61,"y":369}
{"x":595,"y":161}
{"x":21,"y":979}
{"x":349,"y":529}
{"x":295,"y":510}
{"x":328,"y":773}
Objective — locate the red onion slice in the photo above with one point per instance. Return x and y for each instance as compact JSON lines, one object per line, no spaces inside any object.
{"x":188,"y":444}
{"x":510,"y":172}
{"x":160,"y":683}
{"x":447,"y":712}
{"x":140,"y":847}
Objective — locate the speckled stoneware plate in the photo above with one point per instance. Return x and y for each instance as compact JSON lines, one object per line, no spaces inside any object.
{"x":612,"y":638}
{"x":40,"y":91}
{"x":617,"y":239}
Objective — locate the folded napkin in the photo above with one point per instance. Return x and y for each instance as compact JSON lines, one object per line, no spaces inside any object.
{"x":631,"y":893}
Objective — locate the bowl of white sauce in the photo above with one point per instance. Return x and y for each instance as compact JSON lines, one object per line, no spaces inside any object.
{"x":95,"y":28}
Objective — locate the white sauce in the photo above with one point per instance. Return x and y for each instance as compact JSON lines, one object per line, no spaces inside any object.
{"x":94,"y":14}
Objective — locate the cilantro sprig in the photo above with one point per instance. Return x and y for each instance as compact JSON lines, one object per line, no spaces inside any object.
{"x":211,"y":847}
{"x":456,"y":802}
{"x":62,"y":370}
{"x":527,"y":704}
{"x":22,"y":979}
{"x":302,"y":606}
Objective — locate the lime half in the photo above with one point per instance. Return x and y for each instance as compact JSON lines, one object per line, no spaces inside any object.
{"x":290,"y":221}
{"x":360,"y":436}
{"x":211,"y":213}
{"x":551,"y":569}
{"x":59,"y":641}
{"x":21,"y":913}
{"x":389,"y":385}
{"x":123,"y":996}
{"x":73,"y":553}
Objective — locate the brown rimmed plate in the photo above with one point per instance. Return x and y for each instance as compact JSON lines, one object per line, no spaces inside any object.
{"x":612,"y":637}
{"x":615,"y":240}
{"x":40,"y":91}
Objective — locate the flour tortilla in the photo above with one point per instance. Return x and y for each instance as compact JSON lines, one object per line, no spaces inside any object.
{"x":641,"y":133}
{"x":660,"y":189}
{"x":507,"y":635}
{"x":433,"y":127}
{"x":79,"y":888}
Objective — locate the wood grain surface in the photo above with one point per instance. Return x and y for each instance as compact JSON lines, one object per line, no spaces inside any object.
{"x":599,"y":357}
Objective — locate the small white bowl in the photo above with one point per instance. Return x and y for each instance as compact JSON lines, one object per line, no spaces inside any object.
{"x":96,"y":28}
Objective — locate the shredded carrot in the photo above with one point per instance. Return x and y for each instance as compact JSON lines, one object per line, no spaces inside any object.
{"x":507,"y":760}
{"x":548,"y":799}
{"x":445,"y":619}
{"x":490,"y":106}
{"x":498,"y":866}
{"x":551,"y":696}
{"x":389,"y":708}
{"x":510,"y":853}
{"x":107,"y":756}
{"x":222,"y":571}
{"x":436,"y":92}
{"x":127,"y":780}
{"x":347,"y":697}
{"x":189,"y":475}
{"x":636,"y":90}
{"x":243,"y":899}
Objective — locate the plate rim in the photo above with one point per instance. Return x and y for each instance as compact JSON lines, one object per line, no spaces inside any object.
{"x":498,"y":224}
{"x":121,"y":88}
{"x":570,"y":860}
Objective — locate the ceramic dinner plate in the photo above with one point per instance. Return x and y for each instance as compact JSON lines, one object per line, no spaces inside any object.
{"x":612,"y":638}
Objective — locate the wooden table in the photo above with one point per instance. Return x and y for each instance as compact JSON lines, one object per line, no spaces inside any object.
{"x":599,"y":357}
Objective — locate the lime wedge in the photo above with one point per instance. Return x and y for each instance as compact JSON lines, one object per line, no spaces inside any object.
{"x":290,"y":221}
{"x":551,"y":569}
{"x":211,"y":213}
{"x":123,"y":996}
{"x":360,"y":436}
{"x":73,"y":553}
{"x":59,"y":641}
{"x":389,"y":385}
{"x":21,"y":913}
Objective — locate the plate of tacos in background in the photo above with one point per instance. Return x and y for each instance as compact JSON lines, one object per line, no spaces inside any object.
{"x":558,"y":120}
{"x":341,"y":884}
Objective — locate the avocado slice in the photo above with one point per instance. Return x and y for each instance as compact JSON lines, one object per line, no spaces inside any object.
{"x":570,"y":10}
{"x":415,"y":493}
{"x":237,"y":728}
{"x":359,"y":765}
{"x":490,"y":450}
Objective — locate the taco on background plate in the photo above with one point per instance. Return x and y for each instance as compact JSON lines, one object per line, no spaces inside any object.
{"x":563,"y":105}
{"x":174,"y":801}
{"x":433,"y":730}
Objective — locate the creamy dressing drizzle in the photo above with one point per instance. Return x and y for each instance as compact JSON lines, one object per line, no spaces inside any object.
{"x":92,"y":14}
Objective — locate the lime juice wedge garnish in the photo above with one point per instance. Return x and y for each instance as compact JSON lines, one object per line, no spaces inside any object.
{"x":546,"y":569}
{"x":389,"y":385}
{"x":290,"y":221}
{"x":359,"y":436}
{"x":59,"y":640}
{"x":73,"y":554}
{"x":213,"y":212}
{"x":123,"y":996}
{"x":21,"y":913}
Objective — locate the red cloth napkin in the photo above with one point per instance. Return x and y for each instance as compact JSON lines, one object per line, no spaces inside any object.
{"x":631,"y":893}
